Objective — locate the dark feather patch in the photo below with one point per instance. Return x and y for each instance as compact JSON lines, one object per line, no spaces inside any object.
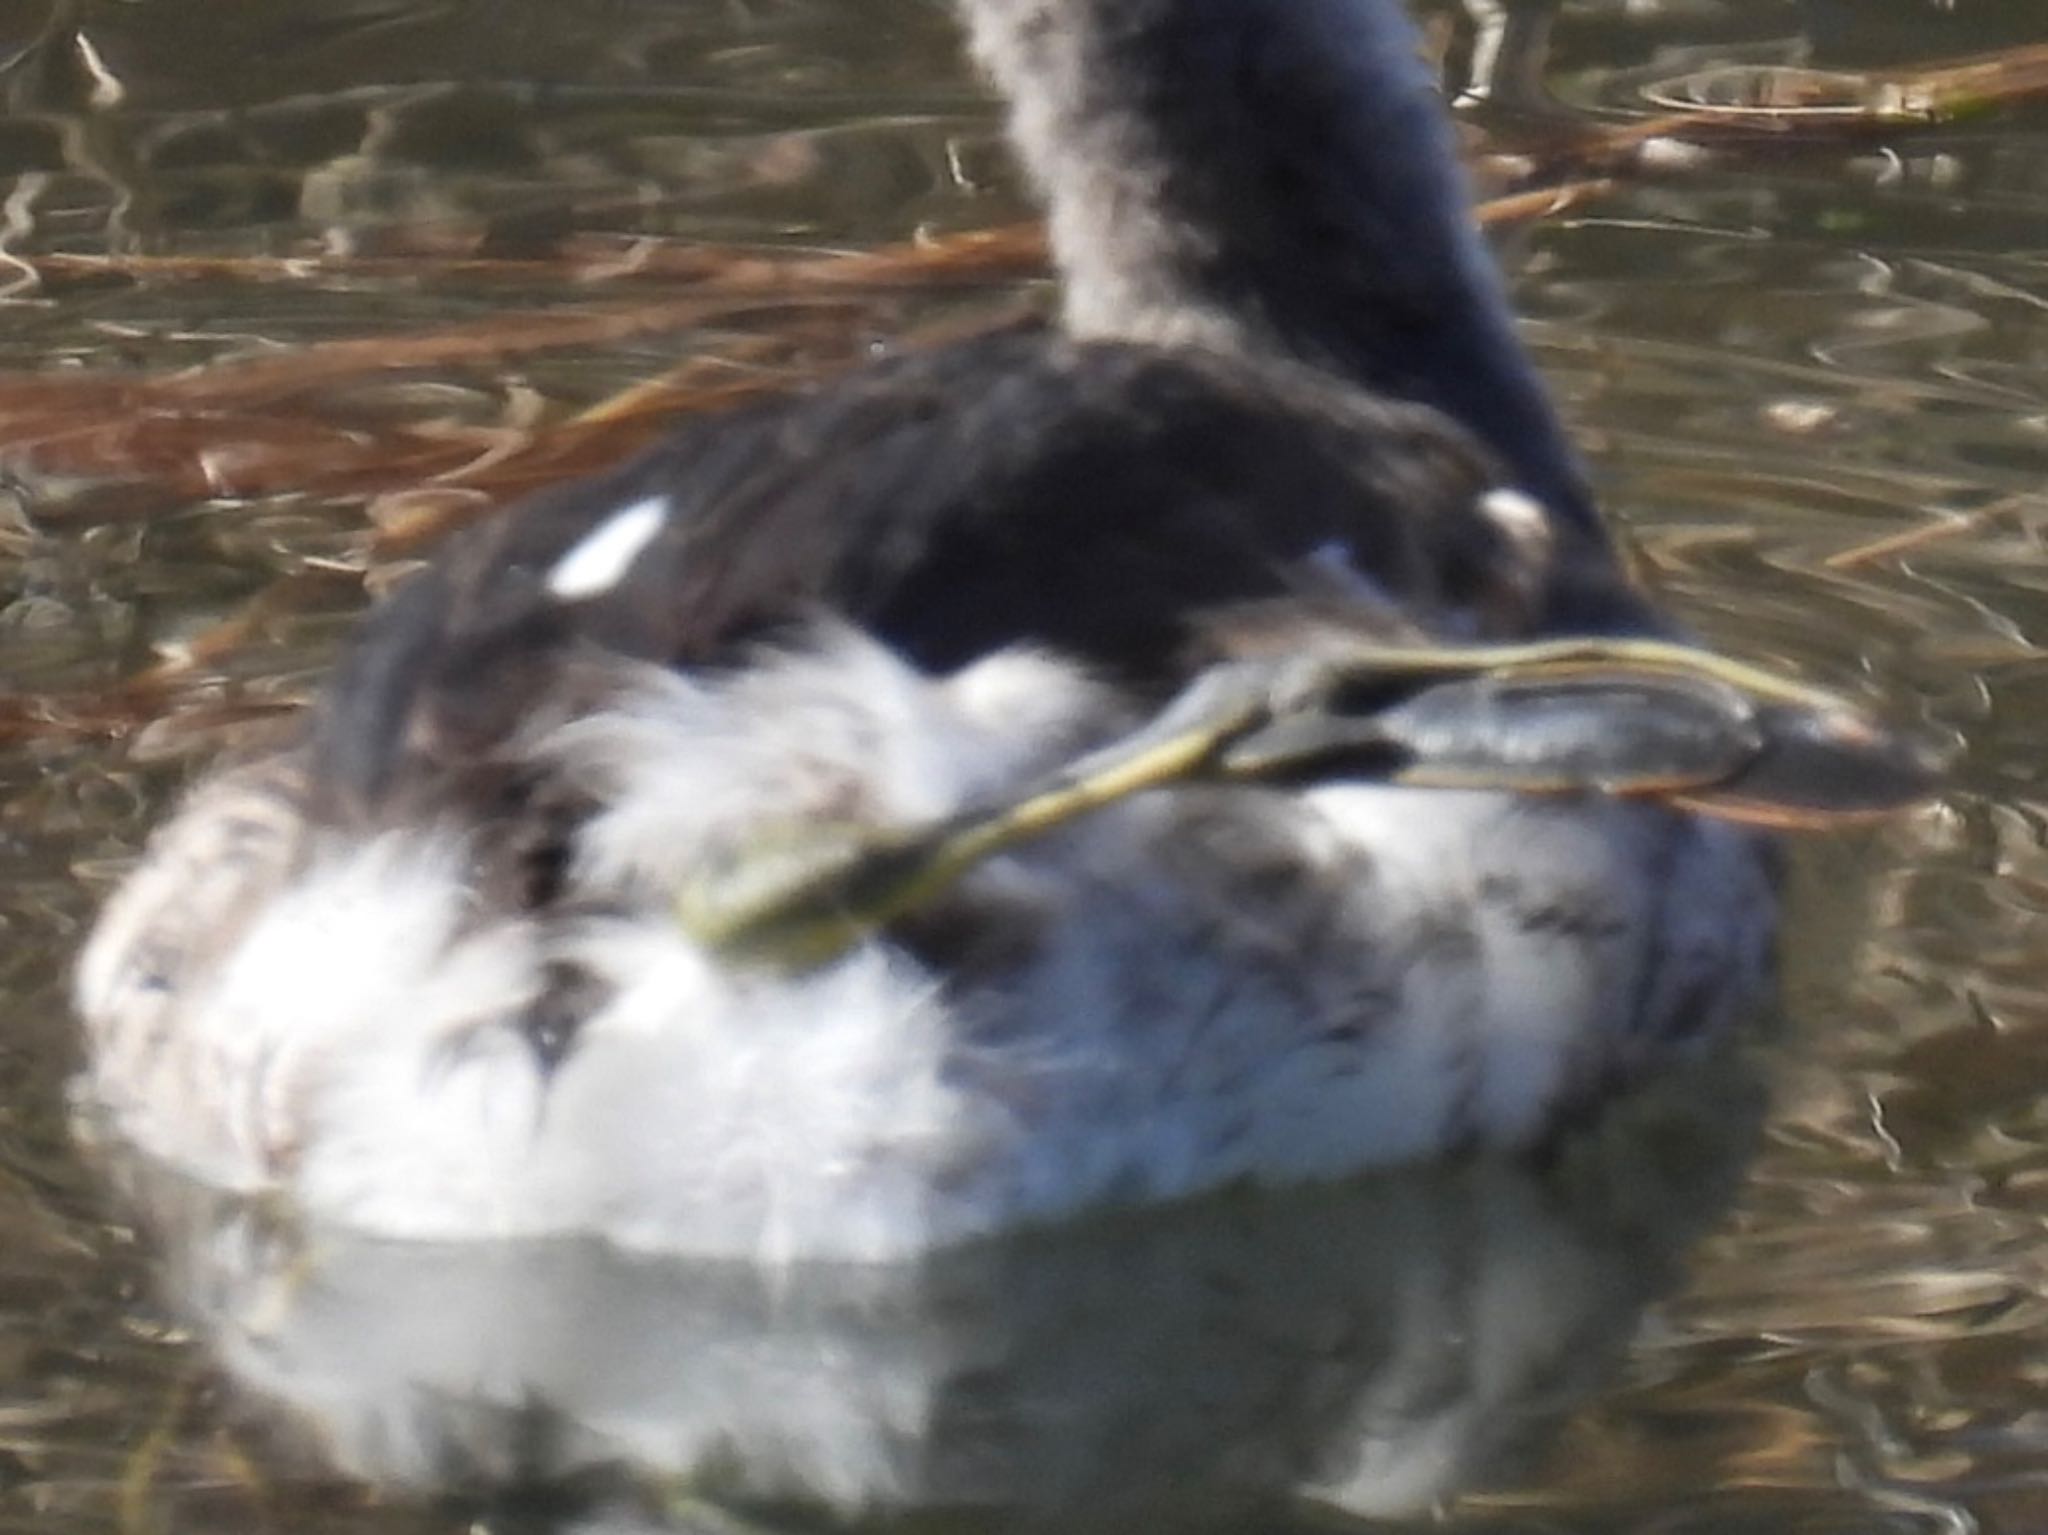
{"x":1090,"y":498}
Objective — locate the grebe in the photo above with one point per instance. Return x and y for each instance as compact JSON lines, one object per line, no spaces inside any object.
{"x":425,"y":973}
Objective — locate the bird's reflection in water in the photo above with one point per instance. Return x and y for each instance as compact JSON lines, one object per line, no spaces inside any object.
{"x":1375,"y":1347}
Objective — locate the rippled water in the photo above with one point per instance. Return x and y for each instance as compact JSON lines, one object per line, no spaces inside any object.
{"x":1772,"y":359}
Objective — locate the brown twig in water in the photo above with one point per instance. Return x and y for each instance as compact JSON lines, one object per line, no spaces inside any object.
{"x":1928,"y":533}
{"x":220,"y":429}
{"x":1541,"y":202}
{"x":1786,"y":96}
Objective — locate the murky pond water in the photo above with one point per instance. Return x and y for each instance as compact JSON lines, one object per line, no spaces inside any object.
{"x":1774,"y":358}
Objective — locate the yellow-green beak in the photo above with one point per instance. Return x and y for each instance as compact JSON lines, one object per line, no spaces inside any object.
{"x":1628,"y":717}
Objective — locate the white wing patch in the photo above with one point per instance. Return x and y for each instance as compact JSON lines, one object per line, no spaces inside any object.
{"x":601,"y":558}
{"x":1519,"y":515}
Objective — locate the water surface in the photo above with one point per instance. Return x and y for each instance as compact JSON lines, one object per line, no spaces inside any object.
{"x":1773,"y":358}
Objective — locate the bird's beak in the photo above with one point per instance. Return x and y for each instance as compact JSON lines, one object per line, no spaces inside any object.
{"x":1625,"y":717}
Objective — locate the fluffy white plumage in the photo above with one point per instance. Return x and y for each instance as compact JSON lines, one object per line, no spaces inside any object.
{"x":1194,"y":988}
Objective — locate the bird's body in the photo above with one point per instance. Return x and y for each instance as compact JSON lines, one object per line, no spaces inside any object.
{"x":1195,"y":988}
{"x":424,"y":973}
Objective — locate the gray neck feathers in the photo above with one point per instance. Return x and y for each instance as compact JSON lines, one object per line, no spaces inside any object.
{"x":1272,"y":174}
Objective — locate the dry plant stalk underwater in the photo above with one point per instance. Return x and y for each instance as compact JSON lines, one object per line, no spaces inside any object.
{"x":252,"y":426}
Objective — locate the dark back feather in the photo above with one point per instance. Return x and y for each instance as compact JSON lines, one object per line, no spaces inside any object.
{"x":1091,"y":498}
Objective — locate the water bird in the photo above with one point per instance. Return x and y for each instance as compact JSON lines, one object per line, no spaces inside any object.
{"x":1210,"y":739}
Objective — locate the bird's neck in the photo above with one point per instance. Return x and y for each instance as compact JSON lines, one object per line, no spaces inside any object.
{"x":1273,"y":174}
